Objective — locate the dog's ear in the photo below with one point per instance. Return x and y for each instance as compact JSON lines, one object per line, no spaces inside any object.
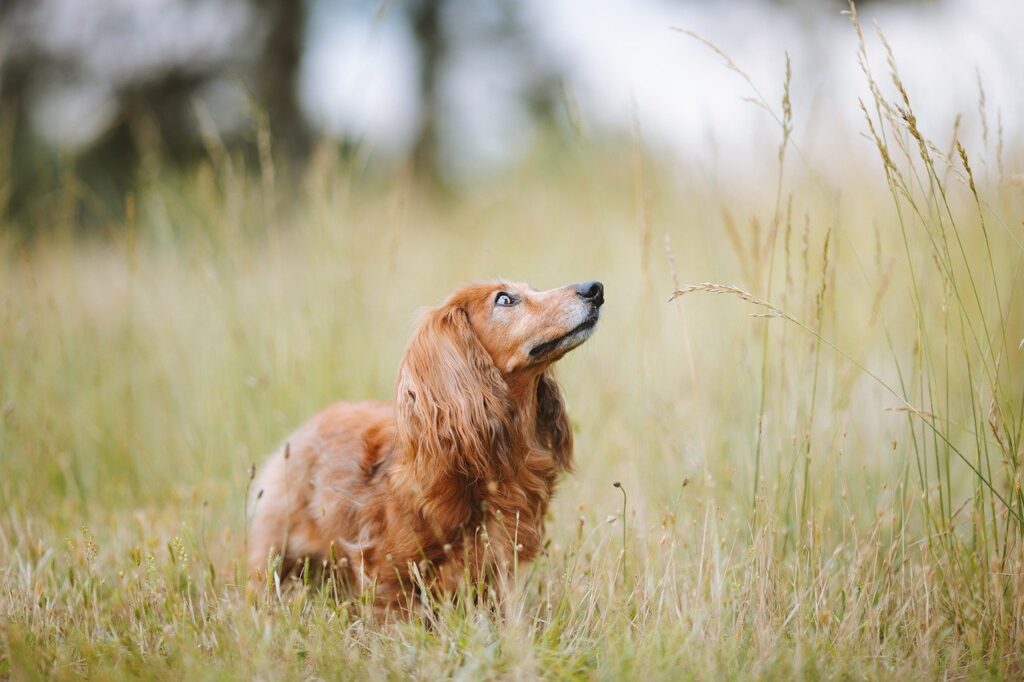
{"x":553,"y":428}
{"x":453,"y":409}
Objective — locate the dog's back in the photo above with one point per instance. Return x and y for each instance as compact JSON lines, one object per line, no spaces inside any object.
{"x":318,"y":488}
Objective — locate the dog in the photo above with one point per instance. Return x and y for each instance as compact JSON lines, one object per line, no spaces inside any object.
{"x":452,"y":480}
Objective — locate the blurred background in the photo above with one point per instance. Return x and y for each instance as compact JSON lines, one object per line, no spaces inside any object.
{"x":454,"y":91}
{"x":218,"y":216}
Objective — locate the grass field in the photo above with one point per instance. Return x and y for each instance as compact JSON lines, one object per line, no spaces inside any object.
{"x":829,"y":488}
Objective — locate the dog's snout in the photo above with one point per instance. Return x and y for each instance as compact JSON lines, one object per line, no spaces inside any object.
{"x":592,"y":292}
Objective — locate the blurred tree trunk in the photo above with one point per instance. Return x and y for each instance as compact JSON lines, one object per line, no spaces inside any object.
{"x":277,"y":76}
{"x":15,"y":139}
{"x":432,"y":45}
{"x":542,"y":91}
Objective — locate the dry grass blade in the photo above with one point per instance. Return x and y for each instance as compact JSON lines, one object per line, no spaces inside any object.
{"x":712,"y":288}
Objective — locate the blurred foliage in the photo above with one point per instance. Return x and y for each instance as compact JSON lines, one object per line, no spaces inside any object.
{"x":160,"y":118}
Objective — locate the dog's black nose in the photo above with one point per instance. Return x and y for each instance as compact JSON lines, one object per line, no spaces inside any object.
{"x":592,"y":292}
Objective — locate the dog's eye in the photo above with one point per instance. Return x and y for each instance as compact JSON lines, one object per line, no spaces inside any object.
{"x":504,"y":299}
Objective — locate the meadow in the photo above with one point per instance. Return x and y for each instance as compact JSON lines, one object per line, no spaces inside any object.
{"x":807,"y":463}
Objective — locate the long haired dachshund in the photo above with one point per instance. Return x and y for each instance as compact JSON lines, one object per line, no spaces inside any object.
{"x":450,"y":482}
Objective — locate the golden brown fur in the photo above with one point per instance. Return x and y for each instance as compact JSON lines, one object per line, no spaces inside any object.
{"x":454,"y":478}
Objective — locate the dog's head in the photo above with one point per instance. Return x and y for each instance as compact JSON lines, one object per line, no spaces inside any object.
{"x":453,"y":396}
{"x":523,"y":329}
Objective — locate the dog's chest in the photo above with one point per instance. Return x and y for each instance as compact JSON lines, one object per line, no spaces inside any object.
{"x":514,"y":508}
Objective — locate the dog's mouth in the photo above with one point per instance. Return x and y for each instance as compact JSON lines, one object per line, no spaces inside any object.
{"x":569,"y":340}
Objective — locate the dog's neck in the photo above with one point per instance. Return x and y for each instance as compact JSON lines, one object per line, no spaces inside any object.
{"x":522,"y":387}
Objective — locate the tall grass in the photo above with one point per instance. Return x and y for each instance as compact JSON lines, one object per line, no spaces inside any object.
{"x":959,"y":387}
{"x":831,"y":487}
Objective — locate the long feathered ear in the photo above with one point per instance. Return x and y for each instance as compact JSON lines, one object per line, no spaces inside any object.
{"x":553,"y":428}
{"x":453,"y":408}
